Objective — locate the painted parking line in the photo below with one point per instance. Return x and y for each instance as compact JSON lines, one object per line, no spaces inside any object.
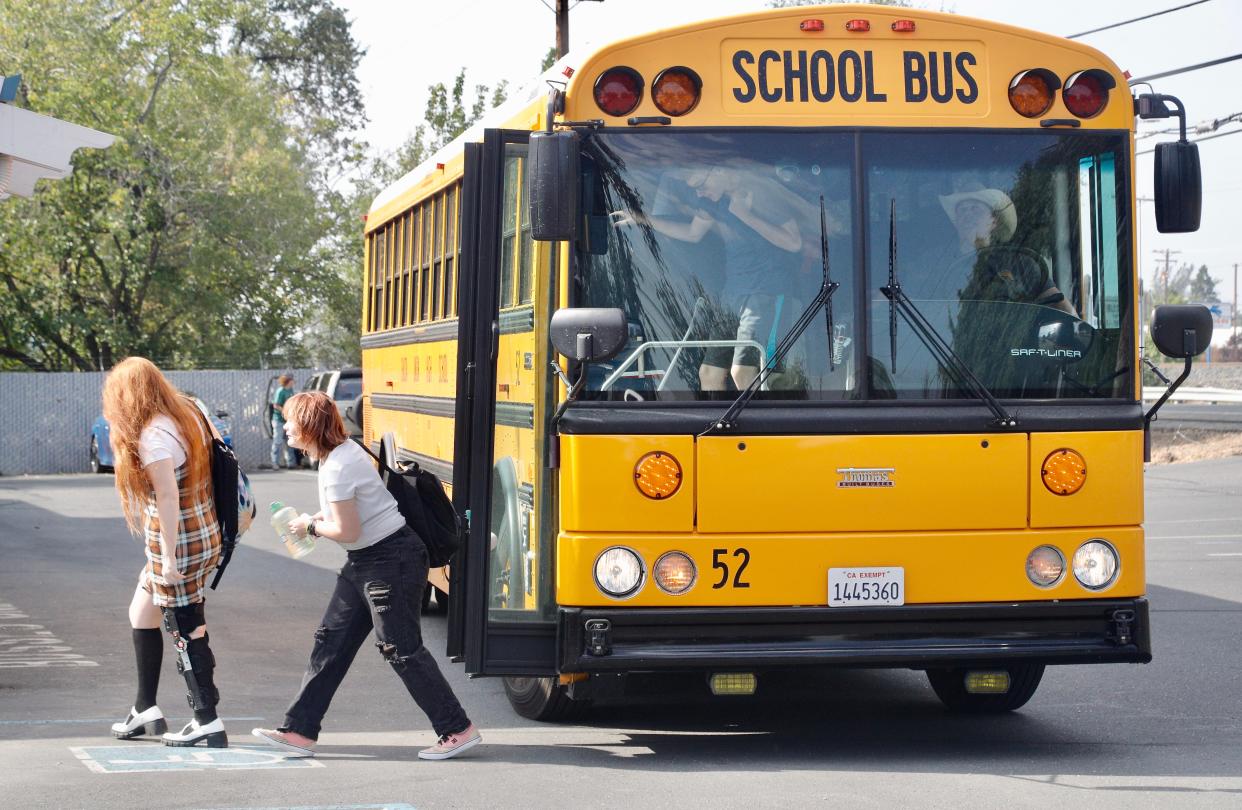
{"x":90,"y":721}
{"x":148,"y":758}
{"x":25,"y":645}
{"x":389,"y":806}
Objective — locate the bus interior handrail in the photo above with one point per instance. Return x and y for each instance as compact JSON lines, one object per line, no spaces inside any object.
{"x":679,"y":345}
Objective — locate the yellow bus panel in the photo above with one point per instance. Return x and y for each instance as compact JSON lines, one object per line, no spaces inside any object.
{"x":861,"y":483}
{"x":1112,"y":493}
{"x":598,"y":489}
{"x":791,"y":570}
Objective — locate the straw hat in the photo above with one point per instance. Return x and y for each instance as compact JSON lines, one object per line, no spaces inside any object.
{"x":995,"y":199}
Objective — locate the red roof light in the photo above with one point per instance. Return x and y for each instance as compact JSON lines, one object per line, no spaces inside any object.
{"x":811,"y":25}
{"x":903,"y":26}
{"x":618,"y":90}
{"x":858,"y":25}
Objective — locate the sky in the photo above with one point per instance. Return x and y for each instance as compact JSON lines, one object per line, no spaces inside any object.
{"x":410,"y":48}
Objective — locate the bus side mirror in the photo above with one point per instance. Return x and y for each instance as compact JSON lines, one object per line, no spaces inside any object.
{"x":588,"y":334}
{"x":554,"y":186}
{"x":1181,"y":332}
{"x":1179,"y":187}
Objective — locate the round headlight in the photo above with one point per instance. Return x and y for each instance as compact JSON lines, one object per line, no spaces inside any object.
{"x":618,"y":572}
{"x":674,"y":572}
{"x":1045,"y":566}
{"x":1096,"y":564}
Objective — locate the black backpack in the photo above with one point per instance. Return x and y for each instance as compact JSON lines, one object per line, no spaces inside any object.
{"x":225,"y":473}
{"x":426,"y":508}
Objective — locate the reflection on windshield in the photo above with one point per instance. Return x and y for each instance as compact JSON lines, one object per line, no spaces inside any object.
{"x":1013,"y":246}
{"x":714,"y":254}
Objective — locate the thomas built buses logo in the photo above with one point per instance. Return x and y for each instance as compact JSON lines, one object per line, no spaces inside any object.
{"x":865,"y":477}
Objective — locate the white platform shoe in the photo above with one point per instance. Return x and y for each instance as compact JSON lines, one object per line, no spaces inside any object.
{"x":149,"y":723}
{"x":211,"y":735}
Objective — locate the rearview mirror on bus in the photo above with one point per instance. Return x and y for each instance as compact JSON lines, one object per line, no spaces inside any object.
{"x":586,"y":334}
{"x":1179,"y":187}
{"x":553,"y":186}
{"x":1181,"y":331}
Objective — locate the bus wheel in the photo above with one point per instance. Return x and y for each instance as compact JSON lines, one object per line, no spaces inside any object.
{"x":542,"y":699}
{"x":950,"y":687}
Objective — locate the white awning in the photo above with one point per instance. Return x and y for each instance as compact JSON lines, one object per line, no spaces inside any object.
{"x":34,"y":146}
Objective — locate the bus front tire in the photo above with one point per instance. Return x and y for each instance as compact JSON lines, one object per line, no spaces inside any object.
{"x":543,"y":699}
{"x":950,"y":686}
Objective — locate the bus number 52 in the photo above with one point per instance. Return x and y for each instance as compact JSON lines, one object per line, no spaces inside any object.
{"x":720,"y":561}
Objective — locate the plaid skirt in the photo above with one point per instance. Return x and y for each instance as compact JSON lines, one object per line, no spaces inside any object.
{"x":198,"y":546}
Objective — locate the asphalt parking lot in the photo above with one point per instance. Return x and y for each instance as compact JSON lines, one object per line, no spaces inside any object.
{"x":1168,"y":733}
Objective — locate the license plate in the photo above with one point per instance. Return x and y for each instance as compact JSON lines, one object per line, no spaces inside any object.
{"x":854,"y":587}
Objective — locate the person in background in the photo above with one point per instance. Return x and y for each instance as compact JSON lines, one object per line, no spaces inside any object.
{"x":280,"y":442}
{"x":380,"y":586}
{"x":163,"y":475}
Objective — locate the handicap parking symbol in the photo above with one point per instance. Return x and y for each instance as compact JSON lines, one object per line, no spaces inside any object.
{"x":148,"y":758}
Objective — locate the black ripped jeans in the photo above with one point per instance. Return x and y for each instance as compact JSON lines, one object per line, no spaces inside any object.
{"x":379,"y":587}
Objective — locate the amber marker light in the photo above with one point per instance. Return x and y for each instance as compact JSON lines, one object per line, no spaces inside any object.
{"x":1032,"y":92}
{"x":658,"y":475}
{"x":676,"y":90}
{"x":1064,"y":471}
{"x":674,"y":573}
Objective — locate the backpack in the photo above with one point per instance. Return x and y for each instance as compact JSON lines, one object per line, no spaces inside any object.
{"x":230,"y":492}
{"x":426,"y":508}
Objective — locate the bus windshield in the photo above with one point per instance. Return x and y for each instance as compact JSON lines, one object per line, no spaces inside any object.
{"x":1012,"y":247}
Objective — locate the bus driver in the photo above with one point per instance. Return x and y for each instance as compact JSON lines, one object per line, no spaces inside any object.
{"x":985,"y":220}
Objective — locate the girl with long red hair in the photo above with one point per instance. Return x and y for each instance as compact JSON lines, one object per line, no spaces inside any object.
{"x":163,"y":475}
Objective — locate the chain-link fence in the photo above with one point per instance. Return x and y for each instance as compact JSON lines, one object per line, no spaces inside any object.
{"x":45,"y":419}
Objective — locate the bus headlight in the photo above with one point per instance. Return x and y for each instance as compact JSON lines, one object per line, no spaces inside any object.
{"x":674,"y":573}
{"x":1096,"y":564}
{"x":1045,"y":566}
{"x":618,"y":572}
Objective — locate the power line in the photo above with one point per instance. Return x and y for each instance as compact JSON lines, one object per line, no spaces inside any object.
{"x":1197,"y":140}
{"x":1187,"y":69}
{"x":1136,"y":19}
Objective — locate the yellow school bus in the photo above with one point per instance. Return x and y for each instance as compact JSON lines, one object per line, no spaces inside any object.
{"x":804,"y":338}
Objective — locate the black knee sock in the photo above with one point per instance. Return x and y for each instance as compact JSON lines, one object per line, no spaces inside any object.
{"x":204,"y":663}
{"x":148,"y":654}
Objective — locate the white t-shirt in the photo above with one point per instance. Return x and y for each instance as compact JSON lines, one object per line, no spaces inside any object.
{"x":347,"y":473}
{"x":161,"y":439}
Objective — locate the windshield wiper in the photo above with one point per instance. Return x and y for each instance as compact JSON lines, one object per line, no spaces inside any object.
{"x":949,"y":360}
{"x":823,"y":298}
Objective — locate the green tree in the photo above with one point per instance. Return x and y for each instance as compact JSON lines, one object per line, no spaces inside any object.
{"x":205,"y":235}
{"x":1203,"y":287}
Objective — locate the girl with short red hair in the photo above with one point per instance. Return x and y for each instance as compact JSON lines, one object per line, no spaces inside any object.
{"x":381,"y":586}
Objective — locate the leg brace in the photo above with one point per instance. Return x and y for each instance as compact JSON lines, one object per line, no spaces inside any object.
{"x":195,"y":661}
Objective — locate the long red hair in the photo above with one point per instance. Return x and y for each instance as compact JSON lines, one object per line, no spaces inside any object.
{"x":134,"y":393}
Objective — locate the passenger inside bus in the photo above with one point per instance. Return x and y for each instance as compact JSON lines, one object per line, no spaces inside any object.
{"x":758,"y":221}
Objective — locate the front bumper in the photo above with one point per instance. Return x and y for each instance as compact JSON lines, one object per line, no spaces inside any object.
{"x":1095,"y":631}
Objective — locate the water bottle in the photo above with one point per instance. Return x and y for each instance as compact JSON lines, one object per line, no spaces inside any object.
{"x":282,"y":516}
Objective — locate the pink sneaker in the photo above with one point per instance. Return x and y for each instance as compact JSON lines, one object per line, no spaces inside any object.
{"x":450,"y":745}
{"x":293,"y":745}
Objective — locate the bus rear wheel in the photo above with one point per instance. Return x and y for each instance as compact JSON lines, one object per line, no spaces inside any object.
{"x":543,"y":699}
{"x":950,"y":686}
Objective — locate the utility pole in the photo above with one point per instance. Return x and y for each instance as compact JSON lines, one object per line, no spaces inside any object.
{"x":562,"y":25}
{"x":562,"y":28}
{"x":1233,"y":321}
{"x":1163,"y":277}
